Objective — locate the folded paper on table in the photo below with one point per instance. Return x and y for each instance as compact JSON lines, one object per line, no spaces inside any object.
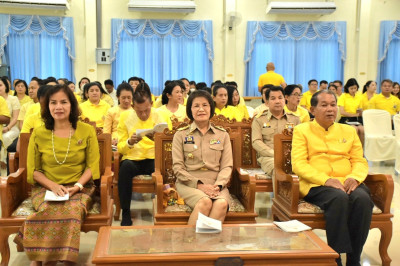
{"x":206,"y":224}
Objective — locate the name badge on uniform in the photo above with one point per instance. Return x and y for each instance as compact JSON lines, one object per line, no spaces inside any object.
{"x":189,"y":140}
{"x":215,"y":141}
{"x":266,"y":125}
{"x":289,"y":125}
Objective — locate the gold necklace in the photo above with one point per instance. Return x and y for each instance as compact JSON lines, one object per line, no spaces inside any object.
{"x":69,"y":142}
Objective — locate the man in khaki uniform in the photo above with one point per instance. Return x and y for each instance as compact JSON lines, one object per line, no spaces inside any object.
{"x":269,"y":123}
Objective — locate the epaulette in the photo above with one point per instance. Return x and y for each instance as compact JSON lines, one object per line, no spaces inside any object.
{"x":263,"y":113}
{"x":293,"y":114}
{"x":220,"y":128}
{"x":183,"y":128}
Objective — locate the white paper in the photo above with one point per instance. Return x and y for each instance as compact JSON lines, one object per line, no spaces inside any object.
{"x":157,"y":129}
{"x":50,"y":196}
{"x":206,"y":224}
{"x":292,"y":226}
{"x":355,"y":123}
{"x":252,"y":171}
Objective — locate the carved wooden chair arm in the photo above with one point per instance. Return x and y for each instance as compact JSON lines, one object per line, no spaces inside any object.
{"x":105,"y":189}
{"x":11,"y":194}
{"x":116,"y":163}
{"x":159,"y":183}
{"x":13,"y":161}
{"x":244,"y":188}
{"x":381,"y":187}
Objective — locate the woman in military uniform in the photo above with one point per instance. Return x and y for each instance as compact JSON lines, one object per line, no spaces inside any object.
{"x":202,"y":160}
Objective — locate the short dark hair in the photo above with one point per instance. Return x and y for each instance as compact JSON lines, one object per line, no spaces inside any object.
{"x":349,"y":83}
{"x":42,"y":91}
{"x":312,"y":80}
{"x":192,"y":82}
{"x":207,"y":89}
{"x":79,"y":84}
{"x":200,"y":85}
{"x":169,"y":88}
{"x":290,"y":88}
{"x":332,"y":85}
{"x":134,"y":79}
{"x":314,"y":98}
{"x":39,"y":81}
{"x":108,"y":82}
{"x":63,"y":79}
{"x":141,"y":93}
{"x":231,"y":89}
{"x":5,"y":81}
{"x":197,"y":94}
{"x":387,"y":80}
{"x":88,"y":86}
{"x":274,"y":88}
{"x":338,"y":81}
{"x":323,"y":82}
{"x":182,"y":79}
{"x":46,"y":115}
{"x":23,"y":82}
{"x":267,"y":87}
{"x":124,"y":87}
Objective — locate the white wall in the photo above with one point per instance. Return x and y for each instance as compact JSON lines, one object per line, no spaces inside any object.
{"x":362,"y":42}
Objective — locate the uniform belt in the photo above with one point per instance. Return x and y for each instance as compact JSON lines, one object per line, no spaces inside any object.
{"x":203,"y":169}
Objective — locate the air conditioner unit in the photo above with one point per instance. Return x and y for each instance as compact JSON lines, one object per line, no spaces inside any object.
{"x":162,"y":6}
{"x":301,"y":7}
{"x":45,"y":4}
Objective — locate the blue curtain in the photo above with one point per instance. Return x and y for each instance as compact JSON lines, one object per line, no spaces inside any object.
{"x":389,"y":51}
{"x":160,"y":50}
{"x":300,"y":50}
{"x":37,"y":46}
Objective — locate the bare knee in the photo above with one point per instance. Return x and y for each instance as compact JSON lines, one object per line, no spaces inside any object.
{"x":204,"y":205}
{"x":220,"y":205}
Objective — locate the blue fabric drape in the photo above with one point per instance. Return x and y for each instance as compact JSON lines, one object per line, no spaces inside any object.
{"x":300,"y":50}
{"x":160,"y":50}
{"x":37,"y":46}
{"x":389,"y":51}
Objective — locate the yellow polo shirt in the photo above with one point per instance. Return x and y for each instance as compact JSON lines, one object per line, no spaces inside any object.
{"x":229,"y":112}
{"x":3,"y":111}
{"x":301,"y":112}
{"x":306,"y":100}
{"x":128,"y":123}
{"x":34,"y":108}
{"x":241,"y":112}
{"x":95,"y":112}
{"x":350,"y":103}
{"x":167,"y":115}
{"x":111,"y":121}
{"x":364,"y":101}
{"x":391,"y":104}
{"x":25,"y":100}
{"x":270,"y":78}
{"x":32,"y":121}
{"x":319,"y":154}
{"x":24,"y":108}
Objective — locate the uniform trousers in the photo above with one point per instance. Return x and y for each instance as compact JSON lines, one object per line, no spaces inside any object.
{"x":127,"y":171}
{"x":348,"y":218}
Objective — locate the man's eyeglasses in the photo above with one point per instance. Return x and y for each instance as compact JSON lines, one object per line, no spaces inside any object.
{"x":297,"y":95}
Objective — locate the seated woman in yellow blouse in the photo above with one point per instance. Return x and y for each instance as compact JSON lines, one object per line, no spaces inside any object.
{"x":124,"y":95}
{"x":234,"y":100}
{"x":21,"y":91}
{"x":369,"y":91}
{"x":292,"y":97}
{"x":220,"y":97}
{"x":63,"y":157}
{"x":350,"y":107}
{"x":93,"y":107}
{"x":172,"y":99}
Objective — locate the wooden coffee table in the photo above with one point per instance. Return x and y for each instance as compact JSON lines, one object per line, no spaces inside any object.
{"x":256,"y":244}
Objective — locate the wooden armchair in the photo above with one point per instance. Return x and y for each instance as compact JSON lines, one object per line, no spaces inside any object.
{"x":16,"y":204}
{"x":248,"y":156}
{"x":241,"y":187}
{"x":287,"y":204}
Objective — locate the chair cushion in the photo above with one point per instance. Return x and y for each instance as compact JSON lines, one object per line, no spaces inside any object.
{"x":143,"y":177}
{"x":236,"y":206}
{"x":263,"y":177}
{"x":26,"y":208}
{"x":306,"y":207}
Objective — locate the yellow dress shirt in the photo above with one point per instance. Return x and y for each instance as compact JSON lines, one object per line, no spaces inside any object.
{"x":270,"y":78}
{"x":229,"y":112}
{"x":167,"y":115}
{"x":111,"y":121}
{"x":391,"y":104}
{"x":319,"y":154}
{"x":107,"y":98}
{"x":128,"y":123}
{"x":3,"y":111}
{"x":95,"y":112}
{"x":301,"y":112}
{"x":83,"y":154}
{"x":350,"y":103}
{"x":306,"y":100}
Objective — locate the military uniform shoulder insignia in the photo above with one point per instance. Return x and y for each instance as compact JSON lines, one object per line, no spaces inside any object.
{"x":183,"y":128}
{"x":220,"y":128}
{"x":265,"y":112}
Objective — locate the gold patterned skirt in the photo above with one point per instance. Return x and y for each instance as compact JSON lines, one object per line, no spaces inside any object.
{"x":52,"y":233}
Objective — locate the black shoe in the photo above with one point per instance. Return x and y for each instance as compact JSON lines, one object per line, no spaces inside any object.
{"x":126,"y":218}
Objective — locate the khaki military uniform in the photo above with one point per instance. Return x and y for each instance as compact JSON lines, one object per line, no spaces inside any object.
{"x":201,"y":158}
{"x":263,"y":129}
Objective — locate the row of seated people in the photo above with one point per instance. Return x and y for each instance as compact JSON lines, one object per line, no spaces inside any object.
{"x":202,"y":162}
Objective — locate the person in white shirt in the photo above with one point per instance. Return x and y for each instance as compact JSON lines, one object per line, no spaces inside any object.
{"x":109,"y":84}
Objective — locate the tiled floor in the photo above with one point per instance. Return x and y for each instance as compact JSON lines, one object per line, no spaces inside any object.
{"x":143,"y":216}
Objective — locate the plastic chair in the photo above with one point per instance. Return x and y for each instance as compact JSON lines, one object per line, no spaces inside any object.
{"x":380,"y":144}
{"x":396,"y":122}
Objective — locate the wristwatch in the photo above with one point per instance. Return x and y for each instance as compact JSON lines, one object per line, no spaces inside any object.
{"x":79,"y":185}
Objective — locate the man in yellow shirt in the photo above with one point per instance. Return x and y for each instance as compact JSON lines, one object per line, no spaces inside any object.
{"x":137,"y":152}
{"x":306,"y":99}
{"x":339,"y":87}
{"x":328,"y":158}
{"x":33,"y":88}
{"x":385,"y":100}
{"x":271,"y":78}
